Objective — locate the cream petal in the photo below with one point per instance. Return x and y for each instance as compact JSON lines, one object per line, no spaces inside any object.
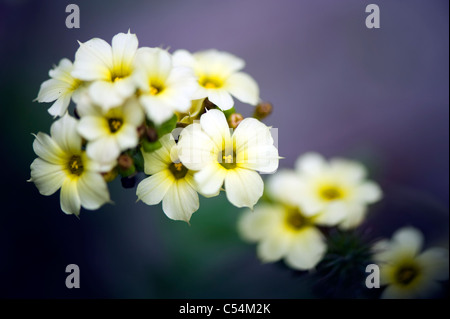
{"x":103,"y":150}
{"x":152,"y":189}
{"x":218,"y":62}
{"x":160,"y":159}
{"x":64,"y":132}
{"x":59,"y":108}
{"x":258,"y":224}
{"x":93,"y":61}
{"x":355,"y":215}
{"x":307,"y":249}
{"x":264,"y":159}
{"x":369,"y":192}
{"x":124,"y":47}
{"x":53,"y":89}
{"x":221,"y":98}
{"x":409,"y":239}
{"x":183,"y":58}
{"x":181,"y":201}
{"x":93,"y":127}
{"x":310,"y":164}
{"x":62,"y":71}
{"x":210,"y":179}
{"x":274,"y":247}
{"x":133,"y":113}
{"x":284,"y":187}
{"x":70,"y":199}
{"x":92,"y":190}
{"x":156,"y":110}
{"x":335,"y":213}
{"x":156,"y":62}
{"x":195,"y":148}
{"x":243,"y":187}
{"x":127,"y":137}
{"x":351,"y":170}
{"x":243,"y":87}
{"x":47,"y":177}
{"x":252,"y":133}
{"x":104,"y":93}
{"x":435,"y":263}
{"x":215,"y":125}
{"x":46,"y":148}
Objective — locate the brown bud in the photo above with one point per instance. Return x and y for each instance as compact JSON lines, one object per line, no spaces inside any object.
{"x":141,"y":130}
{"x":235,"y":119}
{"x":125,"y":162}
{"x":151,"y":134}
{"x":262,"y":110}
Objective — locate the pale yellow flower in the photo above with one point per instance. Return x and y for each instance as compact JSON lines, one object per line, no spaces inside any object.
{"x":219,"y":76}
{"x":406,"y":270}
{"x":62,"y":164}
{"x":170,"y":182}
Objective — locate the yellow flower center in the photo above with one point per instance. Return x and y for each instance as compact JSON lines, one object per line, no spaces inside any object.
{"x":294,"y":219}
{"x":75,"y":165}
{"x":115,"y":124}
{"x":405,"y":275}
{"x":178,"y":170}
{"x":227,"y":159}
{"x":211,"y":83}
{"x":330,"y":193}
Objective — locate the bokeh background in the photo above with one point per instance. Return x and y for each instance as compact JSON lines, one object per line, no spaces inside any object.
{"x":379,"y":96}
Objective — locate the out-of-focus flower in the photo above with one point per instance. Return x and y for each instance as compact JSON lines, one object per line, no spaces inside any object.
{"x":234,"y":159}
{"x":109,"y":132}
{"x":406,"y":270}
{"x":170,"y":182}
{"x":164,"y":88}
{"x":336,"y":192}
{"x":283,"y":232}
{"x":59,"y":88}
{"x":63,"y":164}
{"x":219,"y":77}
{"x":109,"y":67}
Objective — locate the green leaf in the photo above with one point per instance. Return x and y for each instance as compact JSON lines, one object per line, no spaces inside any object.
{"x":167,"y":127}
{"x":151,"y":146}
{"x":229,"y":112}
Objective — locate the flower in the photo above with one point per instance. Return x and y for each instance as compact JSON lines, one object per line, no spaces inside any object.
{"x":221,"y":157}
{"x":408,"y":272}
{"x":109,"y":132}
{"x":108,"y":67}
{"x":59,"y":88}
{"x":63,"y":164}
{"x":163,"y":88}
{"x":337,"y":192}
{"x":170,"y":182}
{"x":283,"y":232}
{"x":218,"y":76}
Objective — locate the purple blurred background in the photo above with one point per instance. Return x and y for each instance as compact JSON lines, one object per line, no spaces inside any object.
{"x":377,"y":95}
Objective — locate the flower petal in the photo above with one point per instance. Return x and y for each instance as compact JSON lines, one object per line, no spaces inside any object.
{"x":47,"y":177}
{"x":435,"y":263}
{"x":181,"y":201}
{"x":369,"y":192}
{"x":152,"y":189}
{"x":243,"y":87}
{"x":243,"y":187}
{"x":307,"y":250}
{"x":46,"y":148}
{"x":156,"y":63}
{"x":64,"y":132}
{"x":92,"y":190}
{"x":59,"y":108}
{"x":215,"y":125}
{"x":105,"y":94}
{"x":93,"y":61}
{"x":221,"y":98}
{"x":93,"y":127}
{"x":274,"y":247}
{"x":127,"y":137}
{"x":258,"y":224}
{"x":310,"y":164}
{"x":156,"y":110}
{"x":103,"y":150}
{"x":409,"y":239}
{"x":284,"y":187}
{"x":70,"y":200}
{"x":124,"y":47}
{"x":183,"y":58}
{"x":210,"y":179}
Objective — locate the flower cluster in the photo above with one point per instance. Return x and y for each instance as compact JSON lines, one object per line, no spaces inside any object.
{"x":171,"y":116}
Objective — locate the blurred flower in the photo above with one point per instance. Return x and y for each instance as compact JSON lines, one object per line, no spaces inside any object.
{"x":164,"y":88}
{"x":170,"y":182}
{"x":218,"y":76}
{"x":63,"y":164}
{"x":109,"y":132}
{"x":109,"y":67}
{"x":408,"y":272}
{"x":220,"y":156}
{"x":283,"y":232}
{"x":336,"y":192}
{"x":59,"y":88}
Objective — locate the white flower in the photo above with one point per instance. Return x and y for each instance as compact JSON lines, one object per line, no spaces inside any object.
{"x":283,"y":232}
{"x":219,"y":77}
{"x":59,"y":88}
{"x":109,"y":132}
{"x":220,"y":156}
{"x":408,"y":272}
{"x":337,"y":191}
{"x":170,"y":182}
{"x":108,"y":67}
{"x":163,"y":88}
{"x":63,"y":164}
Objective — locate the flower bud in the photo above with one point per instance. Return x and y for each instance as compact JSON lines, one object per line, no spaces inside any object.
{"x":126,"y":165}
{"x":235,"y":119}
{"x":262,"y":110}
